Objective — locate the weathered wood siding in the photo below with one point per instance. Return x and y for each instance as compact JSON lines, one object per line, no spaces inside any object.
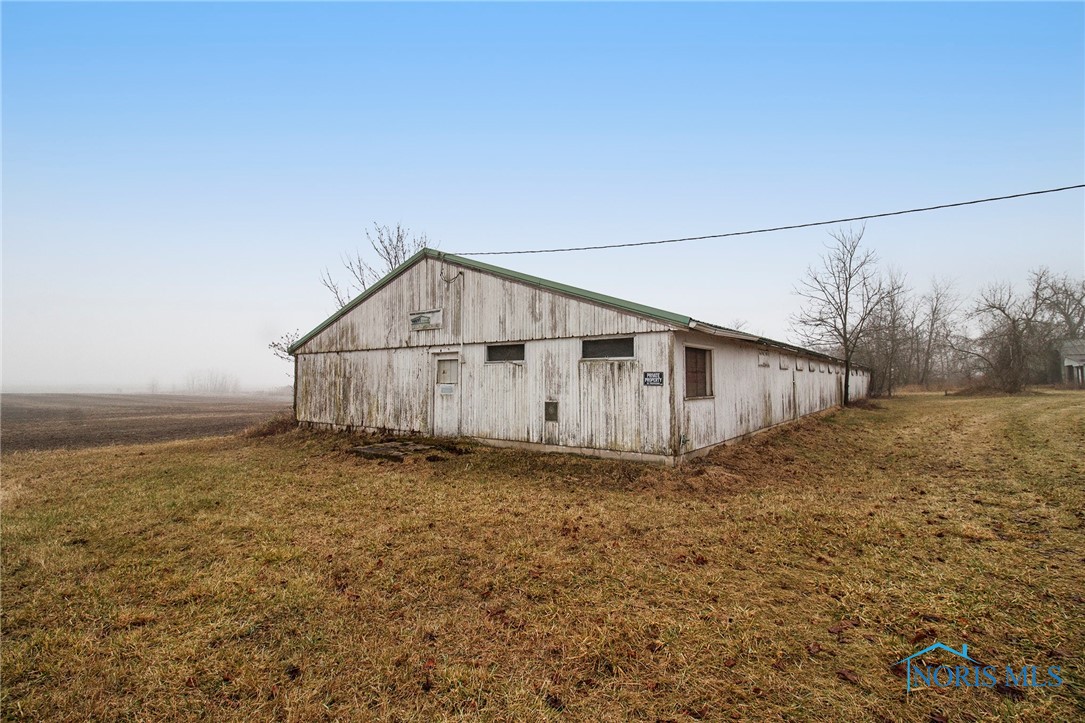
{"x":369,"y":369}
{"x":383,"y":388}
{"x":477,"y":307}
{"x":747,"y":395}
{"x":602,"y":404}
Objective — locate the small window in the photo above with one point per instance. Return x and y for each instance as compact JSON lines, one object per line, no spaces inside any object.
{"x":550,"y":411}
{"x":448,"y":371}
{"x":505,"y":352}
{"x":762,"y":358}
{"x":799,"y":364}
{"x":607,"y":348}
{"x":698,"y":372}
{"x":810,"y":365}
{"x":783,"y":362}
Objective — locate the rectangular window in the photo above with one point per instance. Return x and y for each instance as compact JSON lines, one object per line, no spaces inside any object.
{"x":505,"y":352}
{"x":698,"y":372}
{"x":799,"y":365}
{"x":783,"y":362}
{"x":448,"y":371}
{"x":762,"y":358}
{"x":607,"y":348}
{"x":550,"y":411}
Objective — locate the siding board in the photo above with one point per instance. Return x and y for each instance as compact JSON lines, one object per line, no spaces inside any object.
{"x":369,"y":370}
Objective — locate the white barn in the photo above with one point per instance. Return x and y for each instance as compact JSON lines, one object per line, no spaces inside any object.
{"x":451,"y":347}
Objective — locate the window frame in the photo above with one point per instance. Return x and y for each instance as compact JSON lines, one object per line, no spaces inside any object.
{"x":523,"y":355}
{"x":454,"y":362}
{"x":710,"y":391}
{"x":631,"y":337}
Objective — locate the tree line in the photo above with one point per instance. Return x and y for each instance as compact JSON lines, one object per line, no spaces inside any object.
{"x":1004,"y":338}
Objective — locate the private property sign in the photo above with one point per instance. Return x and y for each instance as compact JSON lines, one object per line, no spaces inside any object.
{"x":653,"y":379}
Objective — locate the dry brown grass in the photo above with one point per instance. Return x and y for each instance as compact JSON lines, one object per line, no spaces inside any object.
{"x":280,"y":423}
{"x":281,"y":577}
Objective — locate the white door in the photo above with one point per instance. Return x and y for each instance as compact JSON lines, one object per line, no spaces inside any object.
{"x":446,"y":397}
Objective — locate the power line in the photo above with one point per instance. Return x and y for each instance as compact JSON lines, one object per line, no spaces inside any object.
{"x":775,"y":228}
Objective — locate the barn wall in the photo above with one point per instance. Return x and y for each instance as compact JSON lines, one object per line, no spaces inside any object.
{"x":753,"y":388}
{"x":477,"y":308}
{"x":383,"y":388}
{"x":602,"y":404}
{"x":369,"y":369}
{"x":860,"y":384}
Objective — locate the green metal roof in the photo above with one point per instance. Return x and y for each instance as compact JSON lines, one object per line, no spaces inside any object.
{"x":668,"y":317}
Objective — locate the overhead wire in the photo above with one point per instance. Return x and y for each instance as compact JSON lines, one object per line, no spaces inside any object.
{"x":772,"y":229}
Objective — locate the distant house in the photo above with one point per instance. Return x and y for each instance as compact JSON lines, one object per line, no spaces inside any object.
{"x":1073,"y":362}
{"x":448,"y":346}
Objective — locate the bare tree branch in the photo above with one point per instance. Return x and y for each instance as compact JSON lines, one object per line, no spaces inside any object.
{"x":391,"y":245}
{"x":840,"y":298}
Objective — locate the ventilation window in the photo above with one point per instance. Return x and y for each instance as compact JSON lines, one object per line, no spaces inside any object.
{"x":698,"y":372}
{"x":448,"y":371}
{"x":607,"y":348}
{"x":550,"y":411}
{"x":762,"y":358}
{"x":505,"y":352}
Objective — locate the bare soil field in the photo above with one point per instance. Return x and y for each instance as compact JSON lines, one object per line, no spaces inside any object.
{"x":72,"y":421}
{"x":283,"y":578}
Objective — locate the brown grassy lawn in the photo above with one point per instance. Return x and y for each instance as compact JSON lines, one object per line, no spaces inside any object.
{"x":285,"y":578}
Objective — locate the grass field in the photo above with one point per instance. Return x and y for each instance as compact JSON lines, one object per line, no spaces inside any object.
{"x":282,"y":577}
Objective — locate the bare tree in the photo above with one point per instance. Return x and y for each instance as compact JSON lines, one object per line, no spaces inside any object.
{"x":886,"y":346}
{"x":281,"y":347}
{"x":392,"y":246}
{"x":1063,"y":300}
{"x":1012,"y":334}
{"x":212,"y":381}
{"x":933,"y":327}
{"x":840,"y":298}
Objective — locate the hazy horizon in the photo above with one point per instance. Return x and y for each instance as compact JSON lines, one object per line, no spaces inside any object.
{"x":177,"y":176}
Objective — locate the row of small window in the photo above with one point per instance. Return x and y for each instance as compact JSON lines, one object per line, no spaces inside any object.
{"x":698,"y":361}
{"x":809,"y":364}
{"x":621,"y":348}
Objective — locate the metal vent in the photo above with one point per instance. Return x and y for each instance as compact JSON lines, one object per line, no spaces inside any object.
{"x":550,"y":411}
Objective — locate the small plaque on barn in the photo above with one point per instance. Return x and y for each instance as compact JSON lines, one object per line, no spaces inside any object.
{"x":422,"y":320}
{"x":653,"y":379}
{"x":448,"y":389}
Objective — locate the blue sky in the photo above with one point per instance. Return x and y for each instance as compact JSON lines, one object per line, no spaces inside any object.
{"x":176,"y":176}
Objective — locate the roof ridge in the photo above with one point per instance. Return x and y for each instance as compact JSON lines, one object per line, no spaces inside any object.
{"x":631,"y":307}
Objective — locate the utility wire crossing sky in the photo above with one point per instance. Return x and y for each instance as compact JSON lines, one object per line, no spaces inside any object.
{"x":177,"y":175}
{"x":776,"y":228}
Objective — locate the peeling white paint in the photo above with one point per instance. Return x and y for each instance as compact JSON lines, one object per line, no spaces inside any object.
{"x":371,"y":370}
